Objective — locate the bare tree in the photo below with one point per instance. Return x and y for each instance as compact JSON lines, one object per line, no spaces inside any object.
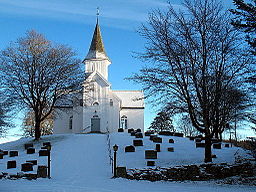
{"x":38,"y":73}
{"x":186,"y":127}
{"x":197,"y":55}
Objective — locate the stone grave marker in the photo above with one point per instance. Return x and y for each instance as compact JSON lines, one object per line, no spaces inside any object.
{"x":5,"y":152}
{"x":120,"y":130}
{"x":200,"y":145}
{"x":121,"y":172}
{"x":157,"y":140}
{"x":191,"y":138}
{"x":27,"y":167}
{"x":1,"y":155}
{"x":167,"y":133}
{"x":31,"y":150}
{"x":13,"y":153}
{"x":151,"y":137}
{"x":46,"y":143}
{"x":133,"y":133}
{"x":139,"y":135}
{"x":148,"y":133}
{"x":214,"y":156}
{"x":158,"y":147}
{"x":138,"y":142}
{"x":130,"y":130}
{"x":170,"y":149}
{"x":178,"y":134}
{"x":138,"y":130}
{"x":197,"y":140}
{"x":27,"y":145}
{"x":150,"y":154}
{"x":43,"y":153}
{"x":171,"y":141}
{"x":150,"y":163}
{"x":34,"y":162}
{"x":11,"y":164}
{"x":216,"y":145}
{"x":41,"y":171}
{"x":226,"y":145}
{"x":129,"y":148}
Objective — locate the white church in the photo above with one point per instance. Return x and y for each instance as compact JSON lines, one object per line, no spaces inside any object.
{"x":101,"y":109}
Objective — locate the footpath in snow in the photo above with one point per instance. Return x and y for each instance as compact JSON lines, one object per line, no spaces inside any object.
{"x":80,"y":162}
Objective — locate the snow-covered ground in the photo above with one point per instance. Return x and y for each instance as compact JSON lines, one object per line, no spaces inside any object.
{"x":80,"y":162}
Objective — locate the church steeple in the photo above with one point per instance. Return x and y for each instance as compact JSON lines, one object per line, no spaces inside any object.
{"x":97,"y":59}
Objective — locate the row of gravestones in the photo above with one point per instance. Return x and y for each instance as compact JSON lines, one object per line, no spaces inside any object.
{"x":28,"y":166}
{"x":149,"y":154}
{"x":216,"y":144}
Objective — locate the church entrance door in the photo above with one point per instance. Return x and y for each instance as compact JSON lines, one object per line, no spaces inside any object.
{"x":95,"y":124}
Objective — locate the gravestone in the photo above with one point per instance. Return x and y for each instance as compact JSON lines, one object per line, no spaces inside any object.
{"x":197,"y":140}
{"x":5,"y":152}
{"x":226,"y":145}
{"x":157,"y":140}
{"x":178,"y":134}
{"x":121,"y":172}
{"x":150,"y":154}
{"x":151,"y":137}
{"x":167,"y":133}
{"x":46,"y":143}
{"x":43,"y":153}
{"x":170,"y":149}
{"x":11,"y":164}
{"x":30,"y":176}
{"x":129,"y":148}
{"x":138,"y":130}
{"x":1,"y":155}
{"x":41,"y":171}
{"x":191,"y":138}
{"x":120,"y":130}
{"x":214,"y":140}
{"x":44,"y":147}
{"x":27,"y":145}
{"x":31,"y":150}
{"x":13,"y":153}
{"x":150,"y":163}
{"x":138,"y":142}
{"x":214,"y":156}
{"x":139,"y":135}
{"x":27,"y":167}
{"x":171,"y":141}
{"x":148,"y":133}
{"x":34,"y":162}
{"x":130,"y":130}
{"x":158,"y":147}
{"x":216,"y":145}
{"x":133,"y":133}
{"x":200,"y":145}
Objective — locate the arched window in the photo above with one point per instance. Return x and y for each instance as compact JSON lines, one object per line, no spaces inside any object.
{"x":111,"y":102}
{"x":70,"y":122}
{"x":95,"y":104}
{"x":124,"y":124}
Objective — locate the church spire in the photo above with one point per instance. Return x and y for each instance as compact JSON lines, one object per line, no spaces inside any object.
{"x":97,"y":50}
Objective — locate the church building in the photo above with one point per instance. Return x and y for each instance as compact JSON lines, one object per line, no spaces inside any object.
{"x":100,"y":109}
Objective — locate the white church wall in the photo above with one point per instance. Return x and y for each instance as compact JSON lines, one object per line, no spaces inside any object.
{"x":77,"y":120}
{"x":135,"y":118}
{"x":61,"y":123}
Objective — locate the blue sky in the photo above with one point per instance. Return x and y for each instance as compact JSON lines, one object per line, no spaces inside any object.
{"x":72,"y":22}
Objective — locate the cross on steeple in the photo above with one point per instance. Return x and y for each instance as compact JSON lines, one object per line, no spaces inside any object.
{"x":97,"y":14}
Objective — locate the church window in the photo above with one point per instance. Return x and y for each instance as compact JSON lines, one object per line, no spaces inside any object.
{"x":70,"y":122}
{"x":111,"y":102}
{"x":124,"y":124}
{"x":95,"y":104}
{"x":81,"y":102}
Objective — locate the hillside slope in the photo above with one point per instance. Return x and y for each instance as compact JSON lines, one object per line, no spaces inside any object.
{"x":81,"y":163}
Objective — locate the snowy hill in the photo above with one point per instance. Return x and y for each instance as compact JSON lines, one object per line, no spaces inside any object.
{"x":80,"y":162}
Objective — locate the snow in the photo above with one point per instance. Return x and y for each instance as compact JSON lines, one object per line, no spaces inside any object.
{"x":80,"y":162}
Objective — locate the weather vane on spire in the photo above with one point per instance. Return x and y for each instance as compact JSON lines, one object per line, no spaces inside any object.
{"x":98,"y":13}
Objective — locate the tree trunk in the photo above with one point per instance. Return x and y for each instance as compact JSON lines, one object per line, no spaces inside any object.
{"x":37,"y":128}
{"x":208,"y":149}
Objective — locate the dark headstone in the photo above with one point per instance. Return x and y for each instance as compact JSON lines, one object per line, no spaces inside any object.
{"x":151,"y":137}
{"x":157,"y":140}
{"x":30,"y":176}
{"x":167,"y":133}
{"x":133,"y":133}
{"x":34,"y":162}
{"x":27,"y":167}
{"x":27,"y":145}
{"x":121,"y":172}
{"x":178,"y":134}
{"x":138,"y":142}
{"x":46,"y":143}
{"x":150,"y":154}
{"x":200,"y":145}
{"x":226,"y":145}
{"x":150,"y":163}
{"x":5,"y":152}
{"x":130,"y":130}
{"x":148,"y":133}
{"x":170,"y":149}
{"x":42,"y":171}
{"x":171,"y":141}
{"x":13,"y":153}
{"x":214,"y":156}
{"x":138,"y":130}
{"x":43,"y":153}
{"x":1,"y":155}
{"x":139,"y":135}
{"x":120,"y":130}
{"x":130,"y":148}
{"x":191,"y":138}
{"x":44,"y":147}
{"x":214,"y":140}
{"x":11,"y":164}
{"x":198,"y":140}
{"x":158,"y":147}
{"x":216,"y":145}
{"x":31,"y":150}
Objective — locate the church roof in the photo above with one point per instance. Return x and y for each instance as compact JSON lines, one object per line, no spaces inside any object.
{"x":97,"y":50}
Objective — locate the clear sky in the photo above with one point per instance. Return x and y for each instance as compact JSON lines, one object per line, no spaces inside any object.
{"x":72,"y":22}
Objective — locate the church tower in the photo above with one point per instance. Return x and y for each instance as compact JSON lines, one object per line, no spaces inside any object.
{"x":97,"y":59}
